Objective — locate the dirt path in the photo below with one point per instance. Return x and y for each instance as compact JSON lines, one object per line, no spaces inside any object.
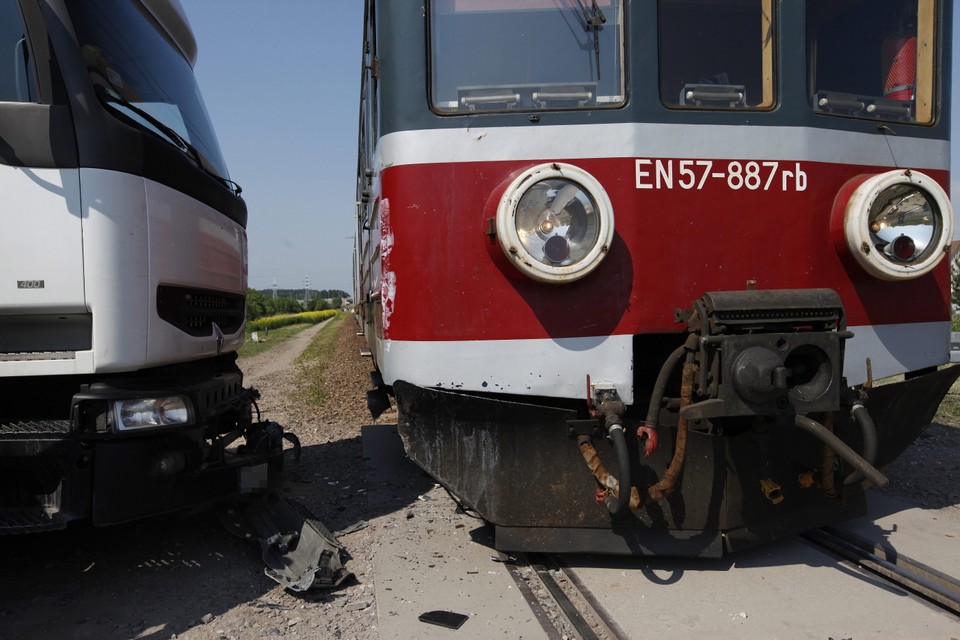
{"x":278,"y":359}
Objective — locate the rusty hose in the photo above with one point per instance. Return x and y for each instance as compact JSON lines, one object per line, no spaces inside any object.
{"x":634,"y":499}
{"x":840,"y":447}
{"x":668,"y":482}
{"x":604,"y":477}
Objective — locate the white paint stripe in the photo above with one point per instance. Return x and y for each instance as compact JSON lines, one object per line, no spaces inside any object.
{"x":895,"y":349}
{"x":645,"y":140}
{"x":552,"y":368}
{"x":558,"y":368}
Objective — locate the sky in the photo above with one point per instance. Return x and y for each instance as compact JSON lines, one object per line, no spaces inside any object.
{"x":281,"y":79}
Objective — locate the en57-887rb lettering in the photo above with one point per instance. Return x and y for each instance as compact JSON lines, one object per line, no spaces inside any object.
{"x":752,"y":175}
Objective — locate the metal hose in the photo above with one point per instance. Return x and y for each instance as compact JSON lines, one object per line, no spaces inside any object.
{"x":840,"y":447}
{"x":659,"y":387}
{"x":869,"y":431}
{"x":623,"y":474}
{"x":668,"y":482}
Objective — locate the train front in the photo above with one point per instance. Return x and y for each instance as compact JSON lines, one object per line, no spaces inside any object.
{"x":634,"y":270}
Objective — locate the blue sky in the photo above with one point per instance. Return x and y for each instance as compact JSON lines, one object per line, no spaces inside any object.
{"x":281,"y":82}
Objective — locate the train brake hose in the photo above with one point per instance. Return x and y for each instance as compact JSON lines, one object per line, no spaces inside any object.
{"x":869,"y":431}
{"x":619,"y":504}
{"x":840,"y":447}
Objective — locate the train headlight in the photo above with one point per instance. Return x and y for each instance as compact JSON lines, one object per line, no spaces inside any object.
{"x":555,"y":223}
{"x":147,"y":413}
{"x":898,"y":225}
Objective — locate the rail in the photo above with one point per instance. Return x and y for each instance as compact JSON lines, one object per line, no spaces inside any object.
{"x":916,"y":577}
{"x":574,"y":603}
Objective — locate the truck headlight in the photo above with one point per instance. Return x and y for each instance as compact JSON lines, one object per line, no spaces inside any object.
{"x":146,"y":413}
{"x":898,"y":225}
{"x":555,"y":223}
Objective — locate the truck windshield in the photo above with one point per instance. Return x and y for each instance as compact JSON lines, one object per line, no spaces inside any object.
{"x":872,"y":58}
{"x":498,"y":55}
{"x":128,"y":56}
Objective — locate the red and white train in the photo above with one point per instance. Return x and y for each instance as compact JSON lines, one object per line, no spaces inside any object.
{"x":632,"y":268}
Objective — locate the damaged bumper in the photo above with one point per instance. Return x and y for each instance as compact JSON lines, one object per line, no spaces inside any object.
{"x":519,"y":467}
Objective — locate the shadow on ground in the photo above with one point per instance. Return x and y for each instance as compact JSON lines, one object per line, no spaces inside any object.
{"x":163,"y":576}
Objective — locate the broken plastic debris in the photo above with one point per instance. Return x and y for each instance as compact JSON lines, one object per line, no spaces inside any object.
{"x":356,"y":526}
{"x":447,"y":619}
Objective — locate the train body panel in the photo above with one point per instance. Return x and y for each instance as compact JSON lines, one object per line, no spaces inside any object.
{"x":541,"y":239}
{"x":777,"y":207}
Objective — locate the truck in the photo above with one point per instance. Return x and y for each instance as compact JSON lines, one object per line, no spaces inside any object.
{"x":123,"y":274}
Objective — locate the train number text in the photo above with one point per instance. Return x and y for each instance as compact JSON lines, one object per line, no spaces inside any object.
{"x":752,"y":175}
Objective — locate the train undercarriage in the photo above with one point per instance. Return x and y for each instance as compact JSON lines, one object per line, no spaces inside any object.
{"x":750,"y":435}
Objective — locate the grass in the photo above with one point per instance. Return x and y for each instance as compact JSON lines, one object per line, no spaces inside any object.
{"x":269,"y":339}
{"x":316,"y":358}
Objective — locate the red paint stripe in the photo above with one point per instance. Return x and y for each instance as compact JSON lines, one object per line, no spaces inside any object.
{"x":671,"y":246}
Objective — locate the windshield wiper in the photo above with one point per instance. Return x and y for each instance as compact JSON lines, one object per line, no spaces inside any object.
{"x":110,"y":97}
{"x":594,"y":19}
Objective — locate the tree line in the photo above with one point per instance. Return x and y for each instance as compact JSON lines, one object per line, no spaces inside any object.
{"x":262,"y":302}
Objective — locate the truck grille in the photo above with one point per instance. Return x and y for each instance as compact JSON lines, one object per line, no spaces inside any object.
{"x":25,"y":427}
{"x":13,"y":521}
{"x":194,"y":311}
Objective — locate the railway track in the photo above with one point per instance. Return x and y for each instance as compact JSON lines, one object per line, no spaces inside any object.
{"x":895,"y":568}
{"x":567,"y":608}
{"x":579,"y":607}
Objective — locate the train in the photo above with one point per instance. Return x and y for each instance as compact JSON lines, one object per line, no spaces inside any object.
{"x":123,"y":275}
{"x":656,"y":278}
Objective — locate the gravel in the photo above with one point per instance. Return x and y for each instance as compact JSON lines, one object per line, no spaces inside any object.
{"x":330,"y":478}
{"x":927,"y":472}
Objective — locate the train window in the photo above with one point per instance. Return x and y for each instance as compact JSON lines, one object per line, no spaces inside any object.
{"x":17,"y":83}
{"x":716,"y":54}
{"x":531,"y":55}
{"x":872,"y":58}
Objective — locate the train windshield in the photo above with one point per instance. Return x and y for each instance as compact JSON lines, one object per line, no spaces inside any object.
{"x":142,"y":77}
{"x":498,"y":55}
{"x":872,"y":58}
{"x":716,"y":55}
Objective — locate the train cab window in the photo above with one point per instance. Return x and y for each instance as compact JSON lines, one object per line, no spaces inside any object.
{"x":872,"y":58}
{"x":716,"y":54}
{"x":17,"y":82}
{"x":529,"y":55}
